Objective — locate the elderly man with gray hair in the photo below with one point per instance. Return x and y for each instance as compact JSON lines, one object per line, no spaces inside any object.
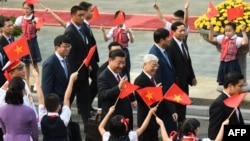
{"x":146,"y":79}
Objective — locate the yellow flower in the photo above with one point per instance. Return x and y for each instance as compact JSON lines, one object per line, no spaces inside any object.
{"x":220,"y":20}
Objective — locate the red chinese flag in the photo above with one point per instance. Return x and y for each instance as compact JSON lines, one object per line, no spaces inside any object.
{"x":211,"y":10}
{"x":32,"y":1}
{"x":127,"y":89}
{"x":40,"y":23}
{"x":119,"y":19}
{"x":235,"y":12}
{"x":150,"y":95}
{"x":87,"y":60}
{"x":235,"y":100}
{"x":176,"y":94}
{"x":95,"y":13}
{"x":17,"y":49}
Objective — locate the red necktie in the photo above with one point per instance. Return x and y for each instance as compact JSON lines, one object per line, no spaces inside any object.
{"x":153,"y":80}
{"x":118,"y":78}
{"x":184,"y":52}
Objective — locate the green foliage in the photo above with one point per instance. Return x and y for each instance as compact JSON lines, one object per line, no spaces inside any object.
{"x":17,"y":31}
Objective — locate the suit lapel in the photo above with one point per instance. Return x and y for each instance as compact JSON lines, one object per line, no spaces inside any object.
{"x":78,"y":34}
{"x":162,"y":57}
{"x":59,"y":65}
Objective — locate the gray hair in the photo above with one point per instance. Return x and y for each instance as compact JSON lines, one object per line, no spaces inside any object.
{"x":149,"y":57}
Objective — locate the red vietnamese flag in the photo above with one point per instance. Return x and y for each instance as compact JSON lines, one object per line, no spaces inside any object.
{"x":17,"y":49}
{"x":235,"y":100}
{"x":32,"y":1}
{"x":95,"y":13}
{"x":40,"y":23}
{"x":235,"y":12}
{"x":7,"y":75}
{"x":87,"y":60}
{"x":119,"y":19}
{"x":211,"y":11}
{"x":150,"y":95}
{"x":176,"y":94}
{"x":127,"y":89}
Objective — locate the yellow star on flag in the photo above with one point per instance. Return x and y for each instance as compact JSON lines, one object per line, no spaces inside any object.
{"x":18,"y":49}
{"x":149,"y":96}
{"x":177,"y":98}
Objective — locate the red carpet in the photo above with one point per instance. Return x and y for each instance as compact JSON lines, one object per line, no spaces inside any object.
{"x":134,"y":21}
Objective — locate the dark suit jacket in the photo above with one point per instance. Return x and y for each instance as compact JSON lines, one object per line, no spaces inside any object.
{"x":91,"y":41}
{"x":2,"y":78}
{"x":108,"y":92}
{"x":165,"y":74}
{"x":77,"y":53}
{"x":218,"y":112}
{"x":4,"y":42}
{"x":54,"y":79}
{"x":180,"y":66}
{"x":143,"y":81}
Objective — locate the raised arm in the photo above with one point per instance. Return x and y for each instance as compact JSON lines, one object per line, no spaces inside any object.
{"x":159,"y":14}
{"x":131,"y":37}
{"x":219,"y":136}
{"x":244,"y":34}
{"x":62,"y":23}
{"x":68,"y":91}
{"x":40,"y":96}
{"x":186,"y":14}
{"x":145,"y":123}
{"x":163,"y":130}
{"x":211,"y":37}
{"x":104,"y":121}
{"x":104,"y":34}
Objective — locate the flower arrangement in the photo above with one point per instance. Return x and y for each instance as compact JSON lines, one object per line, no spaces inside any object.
{"x":220,"y":20}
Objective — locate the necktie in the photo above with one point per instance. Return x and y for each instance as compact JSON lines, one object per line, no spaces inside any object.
{"x":153,"y":80}
{"x":10,"y":40}
{"x":184,"y":52}
{"x":166,"y":56}
{"x":118,"y":78}
{"x":65,"y":68}
{"x":83,"y":37}
{"x":90,"y":31}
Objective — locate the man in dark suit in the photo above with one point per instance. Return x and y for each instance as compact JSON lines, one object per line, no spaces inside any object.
{"x":78,"y":53}
{"x":181,"y":60}
{"x":88,"y":8}
{"x":55,"y":72}
{"x":146,"y":79}
{"x":110,"y":82}
{"x":5,"y":39}
{"x":166,"y":75}
{"x":218,"y":111}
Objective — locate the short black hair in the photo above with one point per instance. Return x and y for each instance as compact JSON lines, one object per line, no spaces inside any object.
{"x":74,"y":9}
{"x":85,"y":5}
{"x":116,"y":53}
{"x":179,"y":13}
{"x":52,"y":101}
{"x":232,"y":78}
{"x":117,"y":12}
{"x":117,"y":128}
{"x":14,"y":94}
{"x":160,"y":33}
{"x":114,"y":44}
{"x":4,"y":19}
{"x":231,"y":24}
{"x":175,"y":25}
{"x":61,"y":39}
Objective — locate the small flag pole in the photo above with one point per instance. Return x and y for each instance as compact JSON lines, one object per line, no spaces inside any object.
{"x":231,"y":113}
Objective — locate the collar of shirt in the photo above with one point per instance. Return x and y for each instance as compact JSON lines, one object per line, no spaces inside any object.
{"x":85,"y":21}
{"x":28,"y":18}
{"x":115,"y":74}
{"x":53,"y":114}
{"x":233,"y":37}
{"x":59,"y":56}
{"x":6,"y":37}
{"x":161,"y":49}
{"x":226,"y":93}
{"x":148,"y":75}
{"x":76,"y":26}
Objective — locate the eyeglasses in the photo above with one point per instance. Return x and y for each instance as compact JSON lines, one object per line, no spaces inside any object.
{"x":67,"y":47}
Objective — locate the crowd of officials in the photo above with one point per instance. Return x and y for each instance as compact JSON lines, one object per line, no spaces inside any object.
{"x":65,"y":78}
